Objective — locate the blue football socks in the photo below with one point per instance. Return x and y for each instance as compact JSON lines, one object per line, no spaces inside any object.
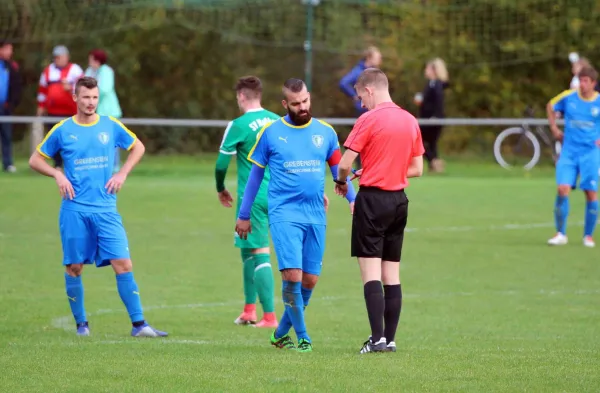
{"x":561,"y":212}
{"x":286,"y":322}
{"x":294,"y":309}
{"x":130,"y":295}
{"x":74,"y":288}
{"x":306,"y":294}
{"x":591,"y":216}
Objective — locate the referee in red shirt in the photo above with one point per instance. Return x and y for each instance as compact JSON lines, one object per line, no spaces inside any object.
{"x":388,"y":140}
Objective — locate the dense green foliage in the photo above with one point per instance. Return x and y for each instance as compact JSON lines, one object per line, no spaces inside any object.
{"x":180,"y":59}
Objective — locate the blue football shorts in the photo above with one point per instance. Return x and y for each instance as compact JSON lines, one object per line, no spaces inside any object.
{"x":299,"y":246}
{"x":571,"y":165}
{"x":92,"y":237}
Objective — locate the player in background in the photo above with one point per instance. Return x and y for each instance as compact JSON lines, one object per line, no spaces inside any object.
{"x":296,"y":149}
{"x":91,"y":229}
{"x":240,"y":136}
{"x":579,"y":155}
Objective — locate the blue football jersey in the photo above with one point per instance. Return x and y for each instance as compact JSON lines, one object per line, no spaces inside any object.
{"x":582,"y":120}
{"x":296,"y":157}
{"x":88,"y":152}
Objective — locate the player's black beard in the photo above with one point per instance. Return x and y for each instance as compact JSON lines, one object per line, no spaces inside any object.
{"x":300,"y":118}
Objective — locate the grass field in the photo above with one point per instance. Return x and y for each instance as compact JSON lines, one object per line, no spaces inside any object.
{"x":488,"y":307}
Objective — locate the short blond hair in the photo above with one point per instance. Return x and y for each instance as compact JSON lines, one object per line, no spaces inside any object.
{"x":372,"y":77}
{"x":439,"y":67}
{"x":370,"y":51}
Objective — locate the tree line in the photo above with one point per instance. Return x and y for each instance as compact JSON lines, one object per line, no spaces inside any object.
{"x":502,"y":56}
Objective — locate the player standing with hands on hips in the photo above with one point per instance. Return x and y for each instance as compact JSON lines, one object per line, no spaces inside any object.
{"x":91,"y":229}
{"x":389,"y":142}
{"x":579,"y":154}
{"x":296,"y":149}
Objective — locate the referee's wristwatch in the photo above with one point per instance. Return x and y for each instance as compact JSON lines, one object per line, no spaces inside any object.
{"x":340,"y":182}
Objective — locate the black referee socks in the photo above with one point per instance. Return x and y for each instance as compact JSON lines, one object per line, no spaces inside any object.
{"x":393,"y":306}
{"x":375,"y":308}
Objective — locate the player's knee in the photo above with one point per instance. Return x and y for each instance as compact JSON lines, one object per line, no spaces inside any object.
{"x":591,"y":196}
{"x":263,"y":250}
{"x":294,"y":275}
{"x":121,"y":266}
{"x":390,"y":273}
{"x":564,"y":190}
{"x":75,"y":269}
{"x":309,"y":280}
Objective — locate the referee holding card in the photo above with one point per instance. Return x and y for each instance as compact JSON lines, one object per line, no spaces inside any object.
{"x":388,"y":140}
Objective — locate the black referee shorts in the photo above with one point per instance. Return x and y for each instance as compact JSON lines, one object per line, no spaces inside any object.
{"x":378,"y":224}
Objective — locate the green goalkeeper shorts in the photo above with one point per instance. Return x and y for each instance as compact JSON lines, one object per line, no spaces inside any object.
{"x":259,"y":237}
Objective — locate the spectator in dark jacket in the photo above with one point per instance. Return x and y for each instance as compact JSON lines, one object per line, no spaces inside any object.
{"x":10,"y":96}
{"x":431,"y":106}
{"x":372,"y":58}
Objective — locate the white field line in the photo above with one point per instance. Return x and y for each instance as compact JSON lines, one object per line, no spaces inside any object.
{"x":66,"y":322}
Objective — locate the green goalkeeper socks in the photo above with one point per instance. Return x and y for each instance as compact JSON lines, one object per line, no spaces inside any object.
{"x":263,"y":281}
{"x":249,"y":265}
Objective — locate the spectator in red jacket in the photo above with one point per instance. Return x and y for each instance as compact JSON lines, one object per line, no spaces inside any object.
{"x":55,"y":93}
{"x":10,"y":96}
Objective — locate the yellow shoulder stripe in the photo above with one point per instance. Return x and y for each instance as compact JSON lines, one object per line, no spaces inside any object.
{"x":258,"y":138}
{"x":326,"y":124}
{"x":123,"y":126}
{"x":561,"y":96}
{"x":39,"y":147}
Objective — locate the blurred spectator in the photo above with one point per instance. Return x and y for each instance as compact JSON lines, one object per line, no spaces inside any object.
{"x":431,"y":106}
{"x":577,"y":63}
{"x":108,"y":105}
{"x":10,"y":96}
{"x":372,"y":58}
{"x":55,"y":93}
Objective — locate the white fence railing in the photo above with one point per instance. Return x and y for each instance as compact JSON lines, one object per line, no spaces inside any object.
{"x":334,"y":121}
{"x":37,"y":129}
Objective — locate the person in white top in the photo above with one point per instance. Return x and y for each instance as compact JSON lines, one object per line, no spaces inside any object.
{"x":577,"y":63}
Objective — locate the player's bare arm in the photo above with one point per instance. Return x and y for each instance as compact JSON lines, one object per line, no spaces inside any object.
{"x":415,"y":168}
{"x":38,"y":163}
{"x":135,"y":155}
{"x":333,"y":161}
{"x":556,"y":132}
{"x":344,"y":169}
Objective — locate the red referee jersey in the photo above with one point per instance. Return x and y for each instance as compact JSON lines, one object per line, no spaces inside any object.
{"x":387,"y":138}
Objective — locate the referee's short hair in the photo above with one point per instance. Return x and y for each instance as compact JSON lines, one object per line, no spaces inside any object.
{"x":588,"y":71}
{"x":372,"y":77}
{"x":250,"y":87}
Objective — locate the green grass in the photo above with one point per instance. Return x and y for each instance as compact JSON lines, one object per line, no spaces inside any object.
{"x":488,"y":306}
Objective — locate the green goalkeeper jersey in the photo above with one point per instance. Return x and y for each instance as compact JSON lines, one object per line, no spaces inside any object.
{"x":239,"y":138}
